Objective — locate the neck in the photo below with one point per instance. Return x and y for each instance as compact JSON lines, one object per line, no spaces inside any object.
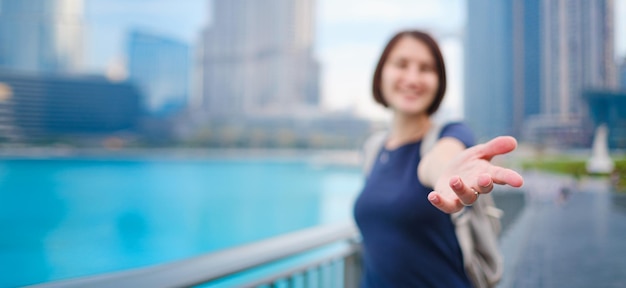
{"x":407,"y":128}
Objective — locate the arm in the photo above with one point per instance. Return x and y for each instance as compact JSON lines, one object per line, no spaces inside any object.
{"x":434,"y":163}
{"x":455,"y":172}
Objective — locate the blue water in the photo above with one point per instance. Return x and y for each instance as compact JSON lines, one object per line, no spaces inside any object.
{"x":67,"y":218}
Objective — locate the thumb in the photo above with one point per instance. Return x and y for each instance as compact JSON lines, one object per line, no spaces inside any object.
{"x":496,"y":146}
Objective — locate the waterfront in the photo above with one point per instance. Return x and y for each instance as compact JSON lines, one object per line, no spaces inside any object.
{"x":577,"y":243}
{"x":569,"y":234}
{"x":69,"y":217}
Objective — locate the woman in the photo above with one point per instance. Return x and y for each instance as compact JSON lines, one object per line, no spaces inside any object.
{"x":408,"y":236}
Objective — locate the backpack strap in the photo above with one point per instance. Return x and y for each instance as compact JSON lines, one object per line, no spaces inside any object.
{"x":371,"y":149}
{"x":477,"y":229}
{"x":375,"y":142}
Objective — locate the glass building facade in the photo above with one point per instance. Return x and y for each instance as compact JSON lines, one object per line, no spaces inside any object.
{"x":528,"y":63}
{"x":34,"y":108}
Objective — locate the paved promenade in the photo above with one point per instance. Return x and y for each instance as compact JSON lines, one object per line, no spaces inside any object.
{"x":568,"y":235}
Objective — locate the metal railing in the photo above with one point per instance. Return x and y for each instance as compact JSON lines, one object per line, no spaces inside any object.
{"x":206,"y":268}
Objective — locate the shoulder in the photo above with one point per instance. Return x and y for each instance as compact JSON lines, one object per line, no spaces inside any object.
{"x":454,"y":127}
{"x":460,"y":131}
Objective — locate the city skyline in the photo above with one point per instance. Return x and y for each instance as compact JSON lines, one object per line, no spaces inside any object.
{"x":347,"y":46}
{"x":348,"y":39}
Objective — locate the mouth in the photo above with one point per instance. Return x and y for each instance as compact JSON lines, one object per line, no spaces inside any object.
{"x":411,"y":95}
{"x":411,"y":92}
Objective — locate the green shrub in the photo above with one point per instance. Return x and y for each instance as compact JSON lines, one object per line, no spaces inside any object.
{"x":577,"y":169}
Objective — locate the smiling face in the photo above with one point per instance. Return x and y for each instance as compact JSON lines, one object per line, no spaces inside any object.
{"x":409,"y":80}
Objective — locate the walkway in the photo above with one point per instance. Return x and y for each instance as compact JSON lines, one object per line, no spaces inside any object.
{"x":575,"y":239}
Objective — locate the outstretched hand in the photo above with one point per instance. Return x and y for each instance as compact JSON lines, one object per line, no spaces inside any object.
{"x":471,"y":173}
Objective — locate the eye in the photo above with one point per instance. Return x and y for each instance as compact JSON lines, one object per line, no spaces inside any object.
{"x":400,"y":63}
{"x":427,"y":68}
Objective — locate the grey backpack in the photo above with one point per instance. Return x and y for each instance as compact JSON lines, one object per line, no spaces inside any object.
{"x":477,"y":227}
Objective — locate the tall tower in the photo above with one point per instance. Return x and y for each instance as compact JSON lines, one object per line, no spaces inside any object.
{"x":531,"y":61}
{"x":41,"y":36}
{"x":489,"y":62}
{"x":577,"y":44}
{"x":622,"y":74}
{"x":258,"y":58}
{"x":160,"y":68}
{"x":578,"y":54}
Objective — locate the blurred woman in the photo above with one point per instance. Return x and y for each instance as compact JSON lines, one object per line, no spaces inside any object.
{"x":403,"y":211}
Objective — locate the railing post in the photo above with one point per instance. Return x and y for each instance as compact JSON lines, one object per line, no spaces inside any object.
{"x":305,"y":279}
{"x":352,"y":269}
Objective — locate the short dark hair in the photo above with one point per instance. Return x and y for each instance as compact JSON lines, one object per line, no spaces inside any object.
{"x":440,"y":67}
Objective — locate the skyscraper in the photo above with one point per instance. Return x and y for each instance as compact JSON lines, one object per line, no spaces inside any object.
{"x":577,"y":53}
{"x":622,"y":74}
{"x":258,"y":59}
{"x":160,"y":68}
{"x":545,"y":54}
{"x":41,"y":36}
{"x":489,"y":62}
{"x":46,"y":107}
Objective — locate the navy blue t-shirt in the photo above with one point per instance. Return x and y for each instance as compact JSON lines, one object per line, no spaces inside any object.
{"x":407,"y":241}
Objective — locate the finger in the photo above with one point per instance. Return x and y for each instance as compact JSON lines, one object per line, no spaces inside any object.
{"x":484,"y":183}
{"x":465,"y":193}
{"x":445,"y":205}
{"x":496,"y":146}
{"x":504,"y":176}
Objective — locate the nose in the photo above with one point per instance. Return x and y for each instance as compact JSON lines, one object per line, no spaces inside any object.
{"x":412,"y":75}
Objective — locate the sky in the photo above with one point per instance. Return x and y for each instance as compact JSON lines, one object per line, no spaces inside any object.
{"x":350,"y":35}
{"x":109,"y":21}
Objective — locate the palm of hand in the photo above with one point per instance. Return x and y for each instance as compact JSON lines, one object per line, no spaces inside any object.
{"x":472,"y":172}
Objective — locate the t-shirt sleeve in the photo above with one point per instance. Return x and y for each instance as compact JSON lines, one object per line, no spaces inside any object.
{"x":460,"y":131}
